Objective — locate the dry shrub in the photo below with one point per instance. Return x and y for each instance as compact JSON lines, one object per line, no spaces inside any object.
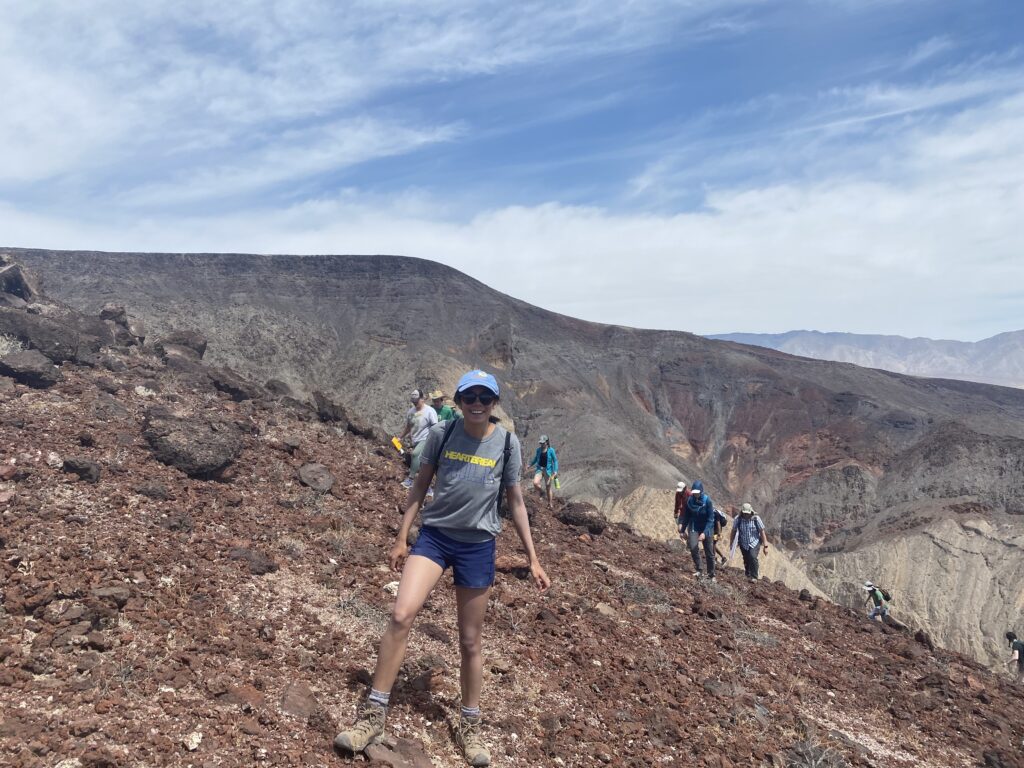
{"x":293,"y":547}
{"x":808,"y":754}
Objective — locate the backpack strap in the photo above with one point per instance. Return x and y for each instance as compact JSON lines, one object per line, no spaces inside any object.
{"x":444,"y":441}
{"x":505,"y":457}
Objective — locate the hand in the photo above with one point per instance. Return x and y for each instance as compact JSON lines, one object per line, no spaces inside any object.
{"x":765,"y":550}
{"x":398,"y":554}
{"x":539,"y":577}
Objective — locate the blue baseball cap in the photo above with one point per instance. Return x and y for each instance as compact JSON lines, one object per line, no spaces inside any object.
{"x":478,"y":379}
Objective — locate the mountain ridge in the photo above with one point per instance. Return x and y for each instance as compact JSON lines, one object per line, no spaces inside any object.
{"x":826,"y":451}
{"x":998,"y":359}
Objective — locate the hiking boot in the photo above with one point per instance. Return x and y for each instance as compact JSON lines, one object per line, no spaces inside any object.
{"x":467,"y":736}
{"x":430,"y":493}
{"x":407,"y":483}
{"x":367,"y":729}
{"x":697,"y":574}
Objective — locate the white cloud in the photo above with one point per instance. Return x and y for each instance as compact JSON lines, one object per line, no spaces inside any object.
{"x":922,"y":246}
{"x":105,"y":84}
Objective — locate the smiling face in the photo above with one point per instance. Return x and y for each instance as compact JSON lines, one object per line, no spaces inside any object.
{"x":473,"y":410}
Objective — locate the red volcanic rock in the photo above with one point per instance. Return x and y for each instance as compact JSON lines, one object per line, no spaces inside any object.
{"x":149,"y":607}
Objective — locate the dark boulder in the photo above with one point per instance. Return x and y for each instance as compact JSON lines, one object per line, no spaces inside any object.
{"x":106,"y":407}
{"x":582,"y":515}
{"x":61,"y":336}
{"x":155,"y":491}
{"x":177,"y":342}
{"x":258,"y":562}
{"x":316,"y":476}
{"x":115,"y":313}
{"x":17,"y":281}
{"x":30,"y":367}
{"x":924,"y":639}
{"x":85,"y":469}
{"x":197,"y":446}
{"x":12,"y":301}
{"x":117,"y":595}
{"x":278,"y":388}
{"x":229,"y":382}
{"x":328,"y":410}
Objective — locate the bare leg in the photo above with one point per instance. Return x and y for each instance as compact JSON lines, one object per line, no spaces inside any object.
{"x":418,"y":578}
{"x":472,"y":607}
{"x":719,"y":552}
{"x":536,"y":484}
{"x":547,"y":482}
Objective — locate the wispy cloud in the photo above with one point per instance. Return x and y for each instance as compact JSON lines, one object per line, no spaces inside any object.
{"x":929,"y":49}
{"x":914,"y":247}
{"x":195,"y":75}
{"x":292,"y":155}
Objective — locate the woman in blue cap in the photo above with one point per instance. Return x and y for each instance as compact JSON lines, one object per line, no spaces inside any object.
{"x":473,"y":459}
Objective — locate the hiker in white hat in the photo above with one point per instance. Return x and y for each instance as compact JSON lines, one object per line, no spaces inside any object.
{"x":748,"y":531}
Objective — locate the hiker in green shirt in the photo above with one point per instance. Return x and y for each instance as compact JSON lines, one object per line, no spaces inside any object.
{"x":444,"y":412}
{"x":881,"y":603}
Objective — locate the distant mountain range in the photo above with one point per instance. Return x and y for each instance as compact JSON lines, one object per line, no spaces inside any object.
{"x":996,"y":360}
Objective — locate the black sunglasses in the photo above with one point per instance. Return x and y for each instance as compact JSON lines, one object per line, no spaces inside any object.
{"x":469,"y":398}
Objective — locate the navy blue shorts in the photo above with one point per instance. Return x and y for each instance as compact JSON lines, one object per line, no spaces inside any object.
{"x":471,"y":564}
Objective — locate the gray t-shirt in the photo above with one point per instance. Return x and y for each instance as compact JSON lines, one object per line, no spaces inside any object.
{"x":465,"y":505}
{"x":419,"y":422}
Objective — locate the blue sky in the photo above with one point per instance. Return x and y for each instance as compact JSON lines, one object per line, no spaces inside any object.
{"x":852,"y":165}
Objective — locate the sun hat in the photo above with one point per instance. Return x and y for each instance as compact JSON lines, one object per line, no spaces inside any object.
{"x":746,"y":509}
{"x":437,"y":394}
{"x":868,"y":586}
{"x":477,"y":379}
{"x":543,"y":439}
{"x":681,"y":486}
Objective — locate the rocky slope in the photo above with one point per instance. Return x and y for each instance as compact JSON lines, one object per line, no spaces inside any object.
{"x":829,"y":453}
{"x":995,"y":360}
{"x":193,"y":575}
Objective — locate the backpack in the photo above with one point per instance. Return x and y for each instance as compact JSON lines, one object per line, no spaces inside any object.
{"x":721,"y":519}
{"x":505,"y":454}
{"x":885,"y":593}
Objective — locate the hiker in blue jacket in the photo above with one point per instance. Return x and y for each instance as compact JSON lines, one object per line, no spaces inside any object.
{"x":699,"y":520}
{"x":546,"y":462}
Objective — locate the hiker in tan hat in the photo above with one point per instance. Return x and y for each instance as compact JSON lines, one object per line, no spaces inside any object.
{"x":444,"y":412}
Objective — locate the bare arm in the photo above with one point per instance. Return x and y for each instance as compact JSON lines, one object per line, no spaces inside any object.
{"x":521,"y":521}
{"x":413,"y":502}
